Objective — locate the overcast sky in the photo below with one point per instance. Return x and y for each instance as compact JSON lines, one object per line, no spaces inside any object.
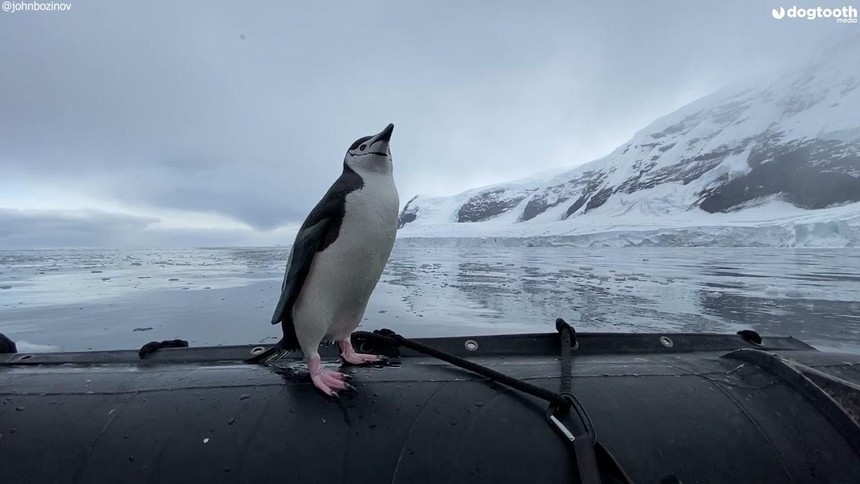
{"x":208,"y":123}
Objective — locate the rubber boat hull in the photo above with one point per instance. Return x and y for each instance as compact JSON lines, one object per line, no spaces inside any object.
{"x":706,"y":408}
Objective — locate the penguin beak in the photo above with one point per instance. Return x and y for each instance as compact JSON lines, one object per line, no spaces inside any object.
{"x":384,"y":136}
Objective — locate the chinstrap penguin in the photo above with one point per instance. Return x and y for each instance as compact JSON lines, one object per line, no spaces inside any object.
{"x":337,"y":259}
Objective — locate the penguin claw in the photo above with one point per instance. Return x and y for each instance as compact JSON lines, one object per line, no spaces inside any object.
{"x":322,"y":386}
{"x":350,"y":356}
{"x":363,"y":359}
{"x":340,"y":376}
{"x":330,"y":382}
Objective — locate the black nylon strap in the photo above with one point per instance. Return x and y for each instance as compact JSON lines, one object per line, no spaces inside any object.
{"x":583,"y":443}
{"x":591,"y":457}
{"x":607,"y":462}
{"x":586,"y":461}
{"x":525,"y":387}
{"x":568,"y":338}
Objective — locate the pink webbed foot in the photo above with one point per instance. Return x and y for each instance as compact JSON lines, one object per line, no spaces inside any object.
{"x":330,"y":382}
{"x":349,"y":355}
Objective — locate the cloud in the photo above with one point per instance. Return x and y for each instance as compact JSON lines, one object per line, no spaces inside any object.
{"x":261,"y":199}
{"x":165,"y":106}
{"x":29,"y":228}
{"x":95,"y":228}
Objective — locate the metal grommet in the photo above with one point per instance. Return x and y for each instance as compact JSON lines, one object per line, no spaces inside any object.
{"x":471,"y":345}
{"x":666,"y":341}
{"x":257,"y":350}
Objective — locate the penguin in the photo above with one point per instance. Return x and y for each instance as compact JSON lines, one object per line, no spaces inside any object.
{"x":7,"y":345}
{"x":337,"y":259}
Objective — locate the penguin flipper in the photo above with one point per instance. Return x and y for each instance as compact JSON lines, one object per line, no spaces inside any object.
{"x":318,"y":231}
{"x":301,"y":256}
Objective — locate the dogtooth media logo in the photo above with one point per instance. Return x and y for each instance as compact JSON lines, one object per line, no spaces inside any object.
{"x":843,"y":15}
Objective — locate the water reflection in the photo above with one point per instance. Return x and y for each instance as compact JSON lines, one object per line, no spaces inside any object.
{"x":95,"y":298}
{"x":776,"y":291}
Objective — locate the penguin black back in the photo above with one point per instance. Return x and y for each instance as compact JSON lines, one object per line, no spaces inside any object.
{"x":319,"y":230}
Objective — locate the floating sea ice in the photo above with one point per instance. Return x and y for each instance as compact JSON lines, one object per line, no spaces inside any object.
{"x":25,"y":347}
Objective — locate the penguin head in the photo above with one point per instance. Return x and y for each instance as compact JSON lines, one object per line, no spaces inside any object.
{"x":371,"y":153}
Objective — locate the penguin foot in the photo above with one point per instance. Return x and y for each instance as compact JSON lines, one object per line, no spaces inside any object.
{"x":331,"y":382}
{"x":349,"y":355}
{"x":328,"y":381}
{"x":361,"y":358}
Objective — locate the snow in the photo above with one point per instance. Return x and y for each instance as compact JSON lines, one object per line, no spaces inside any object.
{"x":817,"y":101}
{"x":627,"y":222}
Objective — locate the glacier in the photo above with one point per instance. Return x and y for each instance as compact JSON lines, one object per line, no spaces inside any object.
{"x":773,"y":163}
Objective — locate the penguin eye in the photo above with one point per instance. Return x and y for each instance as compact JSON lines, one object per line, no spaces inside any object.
{"x":362,"y":147}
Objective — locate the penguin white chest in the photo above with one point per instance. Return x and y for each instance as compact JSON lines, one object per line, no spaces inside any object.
{"x":344,"y":275}
{"x":370,"y":217}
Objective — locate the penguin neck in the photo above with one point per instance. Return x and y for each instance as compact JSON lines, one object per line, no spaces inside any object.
{"x":347,"y":170}
{"x":370,"y":170}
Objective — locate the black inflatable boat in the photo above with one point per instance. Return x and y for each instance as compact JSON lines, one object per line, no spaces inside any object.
{"x":692,"y":408}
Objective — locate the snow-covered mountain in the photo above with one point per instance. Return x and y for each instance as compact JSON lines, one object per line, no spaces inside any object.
{"x":774,"y":162}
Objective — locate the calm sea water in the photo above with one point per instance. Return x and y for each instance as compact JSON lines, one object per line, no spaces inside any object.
{"x":108,"y":299}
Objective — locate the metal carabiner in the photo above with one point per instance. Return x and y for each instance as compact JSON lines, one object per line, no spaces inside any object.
{"x":560,"y":426}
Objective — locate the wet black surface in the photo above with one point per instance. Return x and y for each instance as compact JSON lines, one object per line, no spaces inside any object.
{"x":659,"y":412}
